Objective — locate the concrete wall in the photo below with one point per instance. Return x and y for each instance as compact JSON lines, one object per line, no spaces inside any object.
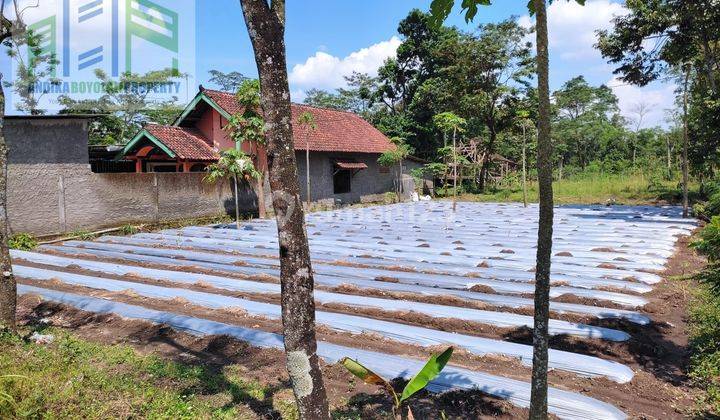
{"x":367,"y":185}
{"x":39,"y":140}
{"x":49,"y":199}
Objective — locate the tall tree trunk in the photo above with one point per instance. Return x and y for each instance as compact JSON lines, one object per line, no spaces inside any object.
{"x":237,"y":203}
{"x":669,"y":156}
{"x":524,"y":168}
{"x":560,"y":166}
{"x":539,"y":386}
{"x":455,"y":169}
{"x":266,"y":26}
{"x":686,"y":140}
{"x":8,"y":287}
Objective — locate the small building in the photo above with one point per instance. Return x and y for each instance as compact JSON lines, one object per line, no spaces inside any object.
{"x":343,"y":147}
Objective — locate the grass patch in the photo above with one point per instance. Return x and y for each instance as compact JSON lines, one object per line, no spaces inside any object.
{"x":705,"y":340}
{"x":73,"y":378}
{"x":593,"y":188}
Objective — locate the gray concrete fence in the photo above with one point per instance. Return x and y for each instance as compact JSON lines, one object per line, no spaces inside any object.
{"x":51,"y":199}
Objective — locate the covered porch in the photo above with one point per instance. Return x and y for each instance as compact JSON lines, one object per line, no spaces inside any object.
{"x":169,"y":149}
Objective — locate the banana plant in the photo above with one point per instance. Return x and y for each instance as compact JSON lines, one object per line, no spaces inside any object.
{"x":430,"y":371}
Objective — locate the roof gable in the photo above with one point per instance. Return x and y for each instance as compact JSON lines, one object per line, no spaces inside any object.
{"x":183,"y":143}
{"x":337,"y":131}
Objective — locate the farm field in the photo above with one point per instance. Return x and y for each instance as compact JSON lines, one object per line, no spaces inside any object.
{"x":394,"y":283}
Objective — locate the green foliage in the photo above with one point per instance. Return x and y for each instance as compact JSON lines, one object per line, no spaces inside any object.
{"x":39,"y":66}
{"x":704,"y":315}
{"x":128,"y":229}
{"x":73,"y":377}
{"x":124,"y":110}
{"x":233,"y":164}
{"x":709,"y":242}
{"x":307,"y":120}
{"x":430,"y":371}
{"x":432,"y":368}
{"x":448,"y":122}
{"x":83,"y":235}
{"x":22,"y":241}
{"x":228,"y":82}
{"x":440,"y":9}
{"x":247,"y":125}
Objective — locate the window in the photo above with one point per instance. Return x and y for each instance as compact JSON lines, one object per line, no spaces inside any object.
{"x":341,"y":181}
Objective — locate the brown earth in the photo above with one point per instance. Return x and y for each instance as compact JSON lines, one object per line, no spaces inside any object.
{"x":657,"y":353}
{"x":348,"y":396}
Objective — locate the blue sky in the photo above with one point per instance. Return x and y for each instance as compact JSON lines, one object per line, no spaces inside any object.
{"x":327,"y":39}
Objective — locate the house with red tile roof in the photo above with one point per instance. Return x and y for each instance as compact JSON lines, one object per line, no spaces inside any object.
{"x":343,"y":147}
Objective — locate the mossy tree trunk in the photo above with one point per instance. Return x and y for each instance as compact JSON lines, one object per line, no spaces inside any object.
{"x":266,"y":26}
{"x":686,"y":140}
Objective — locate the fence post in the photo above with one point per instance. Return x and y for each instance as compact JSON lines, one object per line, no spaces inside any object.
{"x":61,"y":204}
{"x":156,"y":200}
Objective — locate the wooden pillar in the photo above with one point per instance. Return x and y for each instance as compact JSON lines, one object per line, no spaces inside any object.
{"x":186,"y":166}
{"x":138,"y":165}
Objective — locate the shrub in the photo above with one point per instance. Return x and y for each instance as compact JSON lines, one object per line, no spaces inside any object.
{"x":128,"y":230}
{"x":709,"y":242}
{"x":83,"y":235}
{"x":22,"y":241}
{"x":705,"y":339}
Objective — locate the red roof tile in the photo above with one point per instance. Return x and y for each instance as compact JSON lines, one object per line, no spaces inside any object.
{"x":337,"y":131}
{"x":351,"y":165}
{"x":186,"y":143}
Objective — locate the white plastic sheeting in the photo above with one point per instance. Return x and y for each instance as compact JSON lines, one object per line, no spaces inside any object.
{"x":430,"y":279}
{"x":499,"y":319}
{"x":580,"y":276}
{"x":325,"y":275}
{"x":564,"y":404}
{"x":579,"y":364}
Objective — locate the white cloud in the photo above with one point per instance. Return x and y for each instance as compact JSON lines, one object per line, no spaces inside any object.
{"x":572,"y":27}
{"x":658,"y":97}
{"x":326,"y":71}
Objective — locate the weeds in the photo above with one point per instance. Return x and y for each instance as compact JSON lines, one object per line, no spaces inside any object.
{"x":22,"y":242}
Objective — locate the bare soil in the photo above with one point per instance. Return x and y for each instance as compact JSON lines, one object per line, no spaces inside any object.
{"x":348,"y":396}
{"x":658,"y":353}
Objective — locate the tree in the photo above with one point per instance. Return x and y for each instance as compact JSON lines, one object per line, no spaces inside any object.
{"x":525,"y":124}
{"x":449,"y":122}
{"x":126,"y":105}
{"x":31,"y":70}
{"x":359,"y":96}
{"x":248,"y":125}
{"x":639,"y":111}
{"x":9,"y":28}
{"x":489,"y":73}
{"x":538,"y":401}
{"x":657,"y":38}
{"x":394,"y":157}
{"x":583,"y":112}
{"x":685,"y":169}
{"x":234,"y":165}
{"x":307,"y":121}
{"x":658,"y":35}
{"x":324,"y":99}
{"x":266,"y":25}
{"x":228,"y":82}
